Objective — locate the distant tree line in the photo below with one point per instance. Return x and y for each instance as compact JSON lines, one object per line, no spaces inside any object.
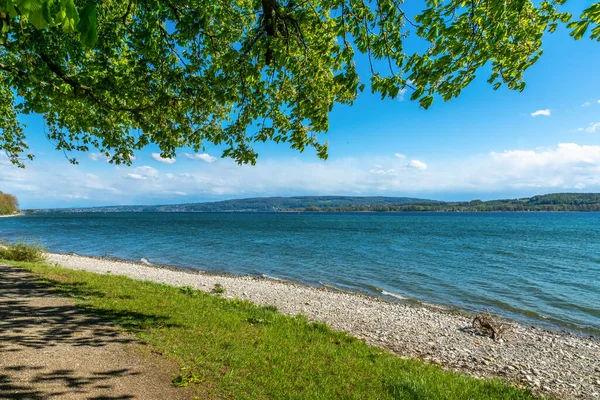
{"x":550,"y":202}
{"x":8,"y":204}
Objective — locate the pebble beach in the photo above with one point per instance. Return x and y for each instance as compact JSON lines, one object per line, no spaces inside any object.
{"x":558,"y":364}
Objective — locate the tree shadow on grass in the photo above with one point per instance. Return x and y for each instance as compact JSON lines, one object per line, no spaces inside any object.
{"x":33,"y":315}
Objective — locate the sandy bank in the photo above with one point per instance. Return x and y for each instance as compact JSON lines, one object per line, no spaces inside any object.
{"x":547,"y":362}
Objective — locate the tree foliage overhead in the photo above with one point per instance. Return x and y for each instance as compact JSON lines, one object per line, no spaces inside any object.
{"x":118,"y":75}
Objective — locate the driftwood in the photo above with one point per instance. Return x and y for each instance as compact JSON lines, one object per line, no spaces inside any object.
{"x":487,"y":324}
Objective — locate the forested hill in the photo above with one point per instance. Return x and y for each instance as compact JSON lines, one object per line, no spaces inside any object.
{"x":8,"y":204}
{"x":264,"y":204}
{"x":548,"y":202}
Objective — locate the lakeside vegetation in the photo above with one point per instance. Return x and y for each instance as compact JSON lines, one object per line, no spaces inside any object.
{"x":22,"y":251}
{"x":235,"y":349}
{"x":8,"y":204}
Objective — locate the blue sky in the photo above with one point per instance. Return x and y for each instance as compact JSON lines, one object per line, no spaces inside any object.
{"x":485,"y":144}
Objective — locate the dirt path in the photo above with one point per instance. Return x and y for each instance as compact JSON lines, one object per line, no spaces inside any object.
{"x":51,"y":349}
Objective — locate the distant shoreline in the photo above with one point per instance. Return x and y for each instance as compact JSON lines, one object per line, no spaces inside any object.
{"x":584,"y":202}
{"x":556,"y":363}
{"x":12,"y":215}
{"x":85,"y":211}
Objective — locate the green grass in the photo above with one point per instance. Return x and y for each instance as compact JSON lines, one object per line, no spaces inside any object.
{"x":232,"y":349}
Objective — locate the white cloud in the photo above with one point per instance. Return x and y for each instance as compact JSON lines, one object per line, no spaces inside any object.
{"x":202,"y":157}
{"x":417,"y":164}
{"x":147,"y":170}
{"x":102,"y":157}
{"x":586,"y":104}
{"x":158,"y":158}
{"x":592,"y":127}
{"x":400,"y":156}
{"x":75,"y":196}
{"x":136,"y":177}
{"x":384,"y":172}
{"x":563,"y":167}
{"x":142,"y":173}
{"x":97,"y":157}
{"x":565,"y":154}
{"x":566,"y":166}
{"x":4,"y":159}
{"x":403,"y":91}
{"x":42,"y":184}
{"x":545,"y":113}
{"x":401,"y":94}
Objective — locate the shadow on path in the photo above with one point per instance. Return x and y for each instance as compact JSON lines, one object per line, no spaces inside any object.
{"x":51,"y":348}
{"x":69,"y":380}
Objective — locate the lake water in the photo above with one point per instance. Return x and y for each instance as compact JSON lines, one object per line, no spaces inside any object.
{"x":538,"y":268}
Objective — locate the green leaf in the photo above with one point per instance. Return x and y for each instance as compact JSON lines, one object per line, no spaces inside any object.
{"x":87,"y":25}
{"x":8,"y":6}
{"x":416,"y":94}
{"x":71,"y":19}
{"x":426,"y":101}
{"x":46,"y":12}
{"x":37,"y":19}
{"x":580,"y":28}
{"x":30,"y":5}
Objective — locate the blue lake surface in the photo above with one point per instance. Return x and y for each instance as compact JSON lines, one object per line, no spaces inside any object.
{"x":539,"y":268}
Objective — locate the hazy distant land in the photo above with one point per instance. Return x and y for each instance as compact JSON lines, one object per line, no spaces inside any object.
{"x":548,"y":202}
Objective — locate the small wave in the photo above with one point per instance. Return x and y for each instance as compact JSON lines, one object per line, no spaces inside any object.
{"x":504,"y":253}
{"x":395,"y":295}
{"x":335,"y":288}
{"x":373,"y":288}
{"x":272,"y":278}
{"x":145,"y":261}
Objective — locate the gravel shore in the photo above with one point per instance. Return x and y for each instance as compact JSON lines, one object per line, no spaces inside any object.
{"x":550,"y":363}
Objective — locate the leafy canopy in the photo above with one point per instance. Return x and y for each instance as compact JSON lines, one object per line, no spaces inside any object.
{"x":120,"y":74}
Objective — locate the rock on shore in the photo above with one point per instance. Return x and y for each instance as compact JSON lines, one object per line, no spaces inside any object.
{"x":551,"y":363}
